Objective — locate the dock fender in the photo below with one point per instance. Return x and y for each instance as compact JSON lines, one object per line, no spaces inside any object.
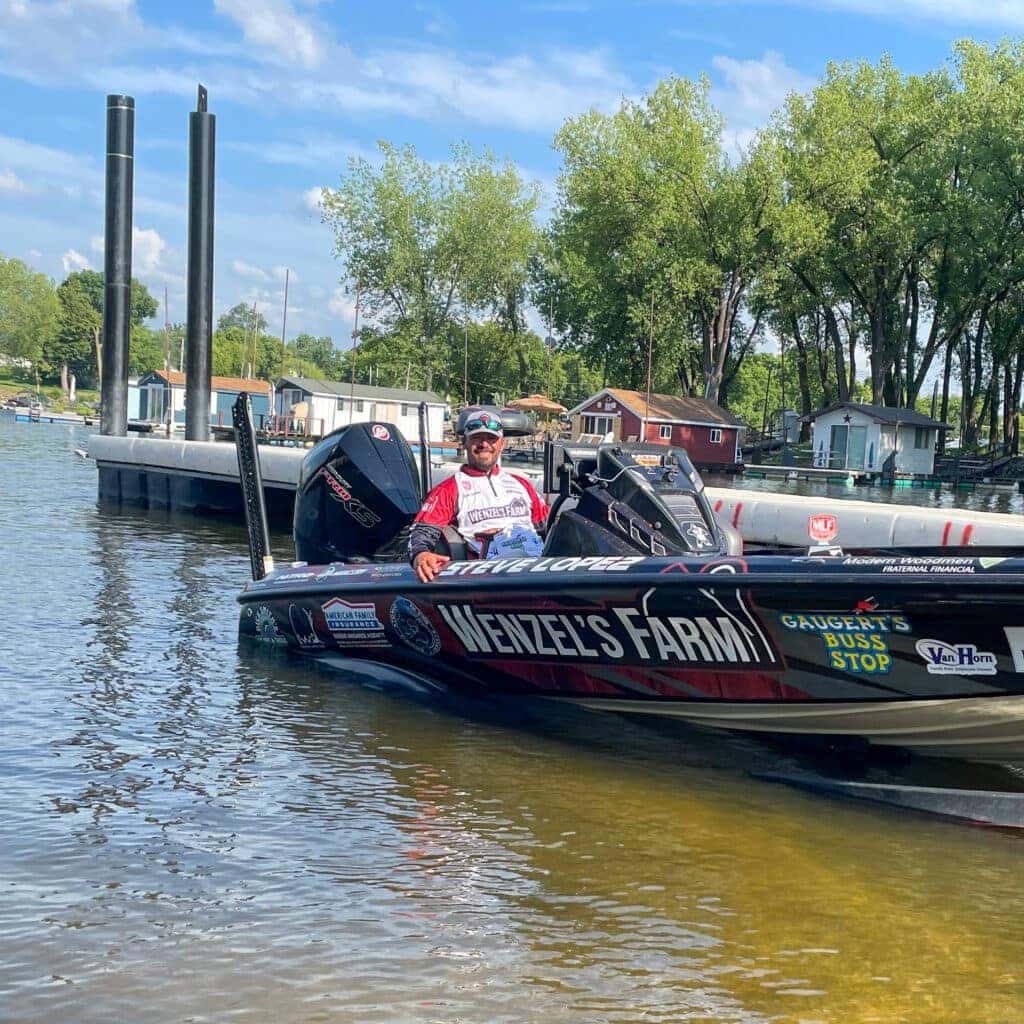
{"x":733,"y":537}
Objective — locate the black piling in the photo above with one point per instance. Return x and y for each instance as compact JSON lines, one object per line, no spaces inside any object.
{"x":251,"y":479}
{"x":425,"y":481}
{"x":199,"y":335}
{"x":117,"y":265}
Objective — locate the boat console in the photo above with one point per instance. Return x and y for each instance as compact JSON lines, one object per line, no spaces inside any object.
{"x":626,"y":497}
{"x":360,"y":490}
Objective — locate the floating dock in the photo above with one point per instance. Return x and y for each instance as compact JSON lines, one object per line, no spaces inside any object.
{"x":201,"y":477}
{"x":758,"y":471}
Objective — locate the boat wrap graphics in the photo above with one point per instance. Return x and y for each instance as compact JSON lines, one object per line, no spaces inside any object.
{"x":763,"y":628}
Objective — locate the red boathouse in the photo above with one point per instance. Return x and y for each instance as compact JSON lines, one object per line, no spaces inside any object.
{"x":711,"y":435}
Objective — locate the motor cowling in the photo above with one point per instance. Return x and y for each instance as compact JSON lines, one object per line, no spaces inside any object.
{"x":358,"y":493}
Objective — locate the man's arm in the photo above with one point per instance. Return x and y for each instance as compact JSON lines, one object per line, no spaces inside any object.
{"x":425,"y":536}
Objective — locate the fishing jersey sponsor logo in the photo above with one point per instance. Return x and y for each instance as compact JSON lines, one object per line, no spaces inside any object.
{"x":517,"y":508}
{"x":942,"y":659}
{"x":854,"y":643}
{"x":353,"y":623}
{"x":514,"y":566}
{"x":723,"y":634}
{"x":380,"y":433}
{"x":492,"y":501}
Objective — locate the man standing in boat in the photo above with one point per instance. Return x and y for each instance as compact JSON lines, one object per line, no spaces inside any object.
{"x":482,"y":501}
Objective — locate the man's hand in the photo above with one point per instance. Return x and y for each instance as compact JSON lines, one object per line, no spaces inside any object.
{"x":427,"y":565}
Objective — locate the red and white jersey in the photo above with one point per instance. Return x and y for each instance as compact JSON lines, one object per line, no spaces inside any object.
{"x":475,"y":502}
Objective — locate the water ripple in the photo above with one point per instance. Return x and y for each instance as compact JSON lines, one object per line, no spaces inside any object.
{"x":192,"y":831}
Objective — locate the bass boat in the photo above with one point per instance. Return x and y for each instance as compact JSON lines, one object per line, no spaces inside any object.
{"x":644,"y":603}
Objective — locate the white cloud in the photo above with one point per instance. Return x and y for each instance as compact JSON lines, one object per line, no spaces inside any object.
{"x":73,"y":260}
{"x":290,"y":59}
{"x":39,"y":38}
{"x":153,"y":260}
{"x":341,"y":305}
{"x":752,"y":91}
{"x":243,"y":269}
{"x":277,"y":30}
{"x":36,"y":162}
{"x":1004,"y":13}
{"x":148,"y":250}
{"x":523,"y":92}
{"x":35,"y":255}
{"x":312,"y":197}
{"x":11,"y":184}
{"x":999,"y":13}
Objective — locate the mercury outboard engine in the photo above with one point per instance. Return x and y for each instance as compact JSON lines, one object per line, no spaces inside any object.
{"x":358,"y":492}
{"x":632,"y":498}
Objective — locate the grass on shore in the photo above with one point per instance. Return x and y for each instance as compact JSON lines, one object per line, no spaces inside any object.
{"x":12,"y":385}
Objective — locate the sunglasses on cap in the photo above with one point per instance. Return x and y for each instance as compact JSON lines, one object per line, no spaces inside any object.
{"x":477,"y":424}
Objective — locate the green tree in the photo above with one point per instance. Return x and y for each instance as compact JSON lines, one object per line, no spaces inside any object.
{"x":144,"y":306}
{"x":74,"y":348}
{"x":146,"y":351}
{"x":659,"y":239}
{"x":316,"y":354}
{"x":243,"y":316}
{"x":427,"y":242}
{"x":29,"y":309}
{"x":232,"y":352}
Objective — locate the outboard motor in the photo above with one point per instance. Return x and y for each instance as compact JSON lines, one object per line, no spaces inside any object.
{"x":358,"y":492}
{"x":635,"y":497}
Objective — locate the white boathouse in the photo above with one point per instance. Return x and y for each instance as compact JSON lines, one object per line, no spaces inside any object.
{"x":850,"y":435}
{"x":328,"y":405}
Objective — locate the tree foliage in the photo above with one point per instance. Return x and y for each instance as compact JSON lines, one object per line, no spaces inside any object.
{"x":876,"y":224}
{"x":428,"y":243}
{"x":144,"y":306}
{"x":28,"y":310}
{"x":659,"y":239}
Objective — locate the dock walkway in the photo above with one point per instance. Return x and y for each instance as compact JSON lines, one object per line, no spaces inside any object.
{"x":201,"y":477}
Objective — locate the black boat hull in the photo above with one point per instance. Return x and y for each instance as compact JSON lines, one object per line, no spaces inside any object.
{"x":922,"y":652}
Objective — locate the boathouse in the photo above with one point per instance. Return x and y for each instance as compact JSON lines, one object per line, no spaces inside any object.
{"x":162,"y":388}
{"x":335,"y":404}
{"x":710,"y":434}
{"x":849,"y":435}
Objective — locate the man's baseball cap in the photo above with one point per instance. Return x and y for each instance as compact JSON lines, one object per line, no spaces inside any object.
{"x":483,"y":423}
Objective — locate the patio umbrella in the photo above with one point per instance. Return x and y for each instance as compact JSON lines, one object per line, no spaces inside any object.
{"x":537,"y":403}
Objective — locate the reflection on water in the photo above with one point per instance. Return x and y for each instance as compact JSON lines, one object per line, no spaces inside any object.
{"x":190,"y":830}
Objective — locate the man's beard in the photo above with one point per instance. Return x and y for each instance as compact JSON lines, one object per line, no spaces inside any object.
{"x":482,"y":461}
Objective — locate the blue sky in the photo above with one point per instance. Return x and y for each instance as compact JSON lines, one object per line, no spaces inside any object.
{"x":298,"y":86}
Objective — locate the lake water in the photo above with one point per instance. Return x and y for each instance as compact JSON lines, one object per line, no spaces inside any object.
{"x":190,"y":831}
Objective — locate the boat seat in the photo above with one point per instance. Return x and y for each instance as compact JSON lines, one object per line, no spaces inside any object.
{"x":455,"y":543}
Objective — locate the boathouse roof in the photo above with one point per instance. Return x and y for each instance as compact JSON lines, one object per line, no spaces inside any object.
{"x":173,"y":377}
{"x":342,"y":389}
{"x":882,"y":414}
{"x":666,"y":408}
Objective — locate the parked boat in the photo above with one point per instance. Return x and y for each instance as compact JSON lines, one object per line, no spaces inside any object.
{"x":642,"y":603}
